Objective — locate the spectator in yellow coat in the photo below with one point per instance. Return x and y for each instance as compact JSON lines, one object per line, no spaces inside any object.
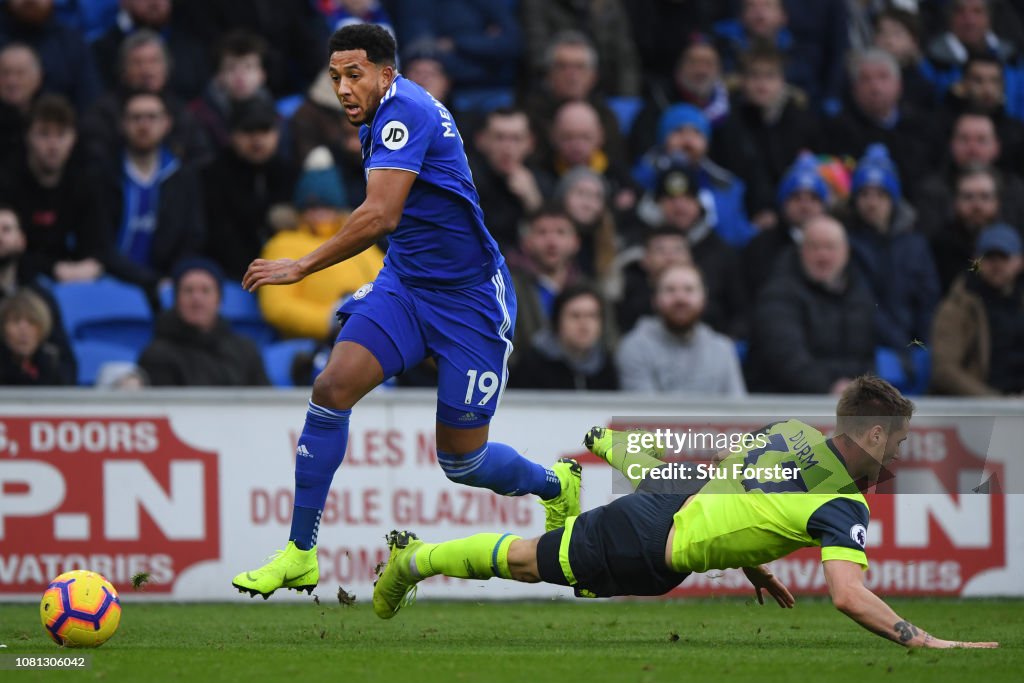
{"x":306,"y":308}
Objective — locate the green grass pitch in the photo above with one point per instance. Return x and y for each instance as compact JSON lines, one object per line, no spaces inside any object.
{"x":529,"y":642}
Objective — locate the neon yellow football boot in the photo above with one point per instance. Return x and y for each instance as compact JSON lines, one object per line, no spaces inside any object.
{"x":567,"y":502}
{"x":290,"y":568}
{"x":395,"y":586}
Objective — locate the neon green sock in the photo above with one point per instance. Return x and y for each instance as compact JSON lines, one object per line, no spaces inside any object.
{"x":619,"y":457}
{"x":480,"y":556}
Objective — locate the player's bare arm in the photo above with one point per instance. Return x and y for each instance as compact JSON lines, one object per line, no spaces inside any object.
{"x":852,"y":598}
{"x":377,"y":216}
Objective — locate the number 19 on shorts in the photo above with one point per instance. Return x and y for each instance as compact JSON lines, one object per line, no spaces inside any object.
{"x":487,"y":384}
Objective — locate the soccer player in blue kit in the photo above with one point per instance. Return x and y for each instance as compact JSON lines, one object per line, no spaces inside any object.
{"x":444,"y":293}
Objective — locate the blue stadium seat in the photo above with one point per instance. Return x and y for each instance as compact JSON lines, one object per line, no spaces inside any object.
{"x":910,"y":378}
{"x":278,"y":357}
{"x":106,"y":310}
{"x":286,"y":106}
{"x":626,"y":109}
{"x":91,"y":356}
{"x":482,"y":99}
{"x":242,"y":310}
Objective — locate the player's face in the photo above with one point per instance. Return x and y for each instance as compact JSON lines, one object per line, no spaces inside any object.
{"x":359,"y":84}
{"x":579,"y":325}
{"x":976,"y":203}
{"x":50,"y":144}
{"x":893,"y":443}
{"x":198,"y":299}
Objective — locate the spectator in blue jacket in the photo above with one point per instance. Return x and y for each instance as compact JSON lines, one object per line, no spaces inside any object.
{"x":684,"y":130}
{"x":893,"y":257}
{"x":820,"y":41}
{"x":68,"y":67}
{"x":478,"y":41}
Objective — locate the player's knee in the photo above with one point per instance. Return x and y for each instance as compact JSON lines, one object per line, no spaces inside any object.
{"x":332,"y":389}
{"x":522,"y":560}
{"x":457,"y":472}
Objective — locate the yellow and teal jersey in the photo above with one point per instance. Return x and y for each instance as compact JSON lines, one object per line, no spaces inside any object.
{"x":790,"y":491}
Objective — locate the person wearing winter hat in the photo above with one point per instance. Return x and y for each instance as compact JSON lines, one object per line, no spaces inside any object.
{"x":802,"y":195}
{"x":192,"y":344}
{"x":893,"y":257}
{"x":307,"y":308}
{"x":684,"y":130}
{"x":979,"y":328}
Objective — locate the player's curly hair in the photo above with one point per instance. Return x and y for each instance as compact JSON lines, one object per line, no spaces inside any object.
{"x":868,"y":401}
{"x":375,"y":40}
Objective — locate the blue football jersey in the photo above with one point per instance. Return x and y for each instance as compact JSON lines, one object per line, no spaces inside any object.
{"x":441,"y":240}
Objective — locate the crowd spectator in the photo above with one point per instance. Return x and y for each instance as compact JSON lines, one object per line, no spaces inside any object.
{"x":478,"y":41}
{"x":240,"y":76}
{"x":21,"y":77}
{"x":144,"y":66}
{"x":583,"y":195}
{"x":802,"y":195}
{"x":185,"y":50}
{"x":152,"y":198}
{"x":245,"y":186}
{"x":320,"y":122}
{"x":875,"y":115}
{"x":975,"y":207}
{"x":978,"y":347}
{"x":545,"y":266}
{"x":571,"y":355}
{"x":68,"y":66}
{"x":571,"y":75}
{"x":55,"y":195}
{"x":684,"y":131}
{"x":307,"y":308}
{"x":509,"y":187}
{"x":813,"y":326}
{"x":426,"y":70}
{"x":673,"y":351}
{"x":193,"y":345}
{"x":13,"y":279}
{"x":26,"y":357}
{"x":341,"y":13}
{"x":663,"y":247}
{"x":973,"y":143}
{"x":820,"y":40}
{"x":607,"y":24}
{"x":898,"y":32}
{"x":661,"y":26}
{"x":774,"y":115}
{"x":982,"y":90}
{"x":678,"y":194}
{"x":891,"y":255}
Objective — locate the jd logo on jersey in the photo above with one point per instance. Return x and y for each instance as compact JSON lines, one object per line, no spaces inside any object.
{"x":395,"y":135}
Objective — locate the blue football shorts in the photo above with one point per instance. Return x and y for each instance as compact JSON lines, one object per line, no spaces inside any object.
{"x":468,"y":331}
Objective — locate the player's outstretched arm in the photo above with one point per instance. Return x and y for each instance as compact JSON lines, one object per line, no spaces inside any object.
{"x":852,"y":598}
{"x":386,"y":192}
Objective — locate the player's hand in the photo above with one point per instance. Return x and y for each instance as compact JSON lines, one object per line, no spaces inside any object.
{"x":940,"y":644}
{"x":762,"y":579}
{"x":261,"y":272}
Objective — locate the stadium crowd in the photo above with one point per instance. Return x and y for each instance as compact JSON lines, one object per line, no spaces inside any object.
{"x":703,"y":196}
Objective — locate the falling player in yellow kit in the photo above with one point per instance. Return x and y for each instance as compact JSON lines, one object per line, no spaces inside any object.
{"x":795,"y":489}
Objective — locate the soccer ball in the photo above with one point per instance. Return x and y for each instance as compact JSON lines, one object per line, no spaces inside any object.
{"x":80,"y":609}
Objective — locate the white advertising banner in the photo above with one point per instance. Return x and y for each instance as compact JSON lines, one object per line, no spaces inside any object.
{"x":194,"y":487}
